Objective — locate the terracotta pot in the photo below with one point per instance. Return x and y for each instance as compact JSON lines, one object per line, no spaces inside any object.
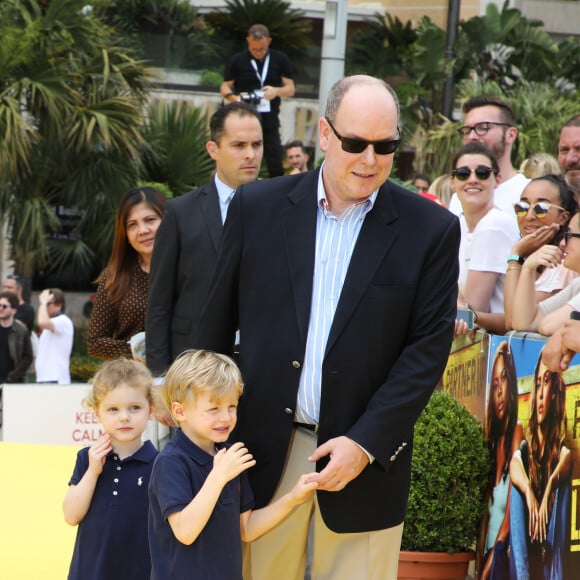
{"x":426,"y":565}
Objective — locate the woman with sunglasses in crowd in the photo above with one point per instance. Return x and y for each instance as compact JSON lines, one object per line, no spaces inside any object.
{"x":487,"y":235}
{"x":544,"y":210}
{"x":121,"y":300}
{"x":548,"y":315}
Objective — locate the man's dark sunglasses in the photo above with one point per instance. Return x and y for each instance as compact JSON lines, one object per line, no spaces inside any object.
{"x":351,"y":145}
{"x":480,"y":128}
{"x":481,"y":172}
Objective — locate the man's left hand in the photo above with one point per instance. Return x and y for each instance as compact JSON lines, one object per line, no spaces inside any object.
{"x":347,"y":460}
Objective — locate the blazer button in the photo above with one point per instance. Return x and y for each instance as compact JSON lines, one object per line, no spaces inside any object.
{"x":296,"y":364}
{"x":289,"y":411}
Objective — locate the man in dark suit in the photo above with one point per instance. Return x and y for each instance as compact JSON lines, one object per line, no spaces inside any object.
{"x":344,"y":288}
{"x":187,"y":239}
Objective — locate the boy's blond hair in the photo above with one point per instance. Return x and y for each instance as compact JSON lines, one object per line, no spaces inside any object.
{"x":114,"y":373}
{"x":201,"y":371}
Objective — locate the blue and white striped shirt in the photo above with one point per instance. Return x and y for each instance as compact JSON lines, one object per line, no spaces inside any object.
{"x":335,"y":241}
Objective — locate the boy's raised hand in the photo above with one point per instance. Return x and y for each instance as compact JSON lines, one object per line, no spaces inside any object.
{"x":230,"y":462}
{"x":98,"y":453}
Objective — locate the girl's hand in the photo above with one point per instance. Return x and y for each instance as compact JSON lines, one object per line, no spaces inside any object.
{"x":529,"y":243}
{"x":546,"y":257}
{"x":98,"y":453}
{"x":541,"y":532}
{"x":533,"y":512}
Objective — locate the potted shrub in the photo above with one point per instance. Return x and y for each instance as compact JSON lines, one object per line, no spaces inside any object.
{"x":449,"y":474}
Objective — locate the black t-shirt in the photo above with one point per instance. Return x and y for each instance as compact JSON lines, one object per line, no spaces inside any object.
{"x":25,"y":313}
{"x":241,"y":71}
{"x":6,"y":364}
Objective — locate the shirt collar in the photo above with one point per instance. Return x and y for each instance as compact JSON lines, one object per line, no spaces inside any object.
{"x":146,"y":453}
{"x":225,"y":192}
{"x":196,"y":453}
{"x":323,"y":202}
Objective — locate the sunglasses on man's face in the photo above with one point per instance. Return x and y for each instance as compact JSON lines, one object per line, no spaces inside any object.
{"x":481,"y":172}
{"x":568,"y":235}
{"x":540,"y":209}
{"x":352,"y":145}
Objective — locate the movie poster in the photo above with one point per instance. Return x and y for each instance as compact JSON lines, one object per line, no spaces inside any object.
{"x":466,"y":372}
{"x":532,"y":420}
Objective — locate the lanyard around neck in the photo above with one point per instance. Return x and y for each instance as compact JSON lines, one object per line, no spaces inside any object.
{"x":262,"y":78}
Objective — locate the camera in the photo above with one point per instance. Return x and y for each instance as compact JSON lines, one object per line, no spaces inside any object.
{"x":252,"y":97}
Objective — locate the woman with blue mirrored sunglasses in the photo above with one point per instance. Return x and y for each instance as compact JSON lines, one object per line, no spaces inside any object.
{"x":536,"y":270}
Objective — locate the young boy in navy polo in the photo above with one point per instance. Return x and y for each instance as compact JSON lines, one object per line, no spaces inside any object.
{"x":107,"y":495}
{"x":200,"y":502}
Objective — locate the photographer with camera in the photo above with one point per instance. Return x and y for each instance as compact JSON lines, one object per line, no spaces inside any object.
{"x":261,"y":77}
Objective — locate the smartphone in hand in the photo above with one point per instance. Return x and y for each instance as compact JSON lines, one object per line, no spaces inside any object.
{"x":466,"y":315}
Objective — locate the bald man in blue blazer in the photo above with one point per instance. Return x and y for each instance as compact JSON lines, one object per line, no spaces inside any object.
{"x":344,"y":288}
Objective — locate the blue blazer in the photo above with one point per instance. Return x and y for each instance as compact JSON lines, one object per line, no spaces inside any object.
{"x":387,"y":348}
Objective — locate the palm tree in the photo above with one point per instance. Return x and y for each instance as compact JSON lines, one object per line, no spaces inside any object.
{"x":539,"y":125}
{"x":167,"y":33}
{"x":176,"y":134}
{"x":382,"y":48}
{"x":508,"y":47}
{"x":71,"y":102}
{"x":288,"y":26}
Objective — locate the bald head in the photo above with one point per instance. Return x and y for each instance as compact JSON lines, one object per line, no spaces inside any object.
{"x":340,"y":88}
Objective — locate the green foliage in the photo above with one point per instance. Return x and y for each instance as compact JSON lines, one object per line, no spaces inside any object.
{"x":531,"y":53}
{"x":161,"y":16}
{"x":449,"y":474}
{"x":167,"y":33}
{"x":429,"y":55}
{"x":289,"y":29}
{"x":569,"y":59}
{"x":381,"y":48}
{"x":83,"y":368}
{"x":211,"y":78}
{"x":70,"y":105}
{"x":539,"y":125}
{"x":176,"y":133}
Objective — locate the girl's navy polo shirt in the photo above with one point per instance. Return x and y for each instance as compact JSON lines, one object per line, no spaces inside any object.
{"x":111,"y":540}
{"x":178,"y":474}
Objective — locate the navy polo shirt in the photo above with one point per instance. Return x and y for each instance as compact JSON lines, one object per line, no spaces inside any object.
{"x":178,"y":474}
{"x":111,"y":540}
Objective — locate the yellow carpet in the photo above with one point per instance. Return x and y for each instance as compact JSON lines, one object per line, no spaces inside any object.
{"x":35,"y":541}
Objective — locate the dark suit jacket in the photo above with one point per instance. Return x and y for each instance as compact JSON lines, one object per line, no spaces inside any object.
{"x":181,"y":268}
{"x":387,"y":348}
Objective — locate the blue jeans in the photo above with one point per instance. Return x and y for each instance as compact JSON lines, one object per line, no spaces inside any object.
{"x":547,"y":566}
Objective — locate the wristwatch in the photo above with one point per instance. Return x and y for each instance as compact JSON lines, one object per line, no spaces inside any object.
{"x":516,"y":258}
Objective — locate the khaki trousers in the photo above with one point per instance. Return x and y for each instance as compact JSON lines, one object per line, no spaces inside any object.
{"x":281,"y":554}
